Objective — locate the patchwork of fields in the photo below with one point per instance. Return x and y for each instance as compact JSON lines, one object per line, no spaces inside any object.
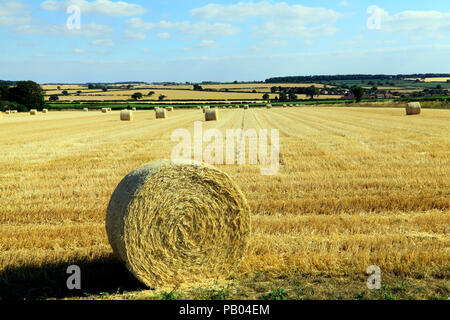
{"x":356,"y":187}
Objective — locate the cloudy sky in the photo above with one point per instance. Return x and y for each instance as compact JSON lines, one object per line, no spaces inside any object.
{"x":218,"y":40}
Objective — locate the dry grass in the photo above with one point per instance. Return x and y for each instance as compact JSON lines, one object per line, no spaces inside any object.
{"x":356,"y":187}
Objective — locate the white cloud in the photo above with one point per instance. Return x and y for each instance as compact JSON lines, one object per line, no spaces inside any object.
{"x":79,"y":51}
{"x":280,"y":19}
{"x":186,"y":27}
{"x":89,"y":30}
{"x":103,"y":43}
{"x":134,"y":35}
{"x":106,"y":7}
{"x":163,"y":35}
{"x":13,"y":12}
{"x":208,"y":44}
{"x":40,"y":55}
{"x":268,"y":45}
{"x":280,"y":11}
{"x":271,"y":29}
{"x":345,"y":3}
{"x":416,"y":23}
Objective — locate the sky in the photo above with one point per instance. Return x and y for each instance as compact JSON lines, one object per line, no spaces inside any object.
{"x":79,"y":41}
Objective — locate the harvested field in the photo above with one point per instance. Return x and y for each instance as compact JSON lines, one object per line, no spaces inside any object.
{"x":356,"y":187}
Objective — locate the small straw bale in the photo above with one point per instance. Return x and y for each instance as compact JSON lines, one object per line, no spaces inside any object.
{"x":133,"y":109}
{"x":105,"y":110}
{"x":212,"y":115}
{"x":205,"y":108}
{"x":169,"y":108}
{"x":85,"y":110}
{"x":109,"y":109}
{"x":269,"y":106}
{"x":44,"y":110}
{"x":199,"y":107}
{"x":246,"y":107}
{"x":126,"y":115}
{"x":413,"y":108}
{"x":161,"y":113}
{"x":33,"y":112}
{"x":178,"y":222}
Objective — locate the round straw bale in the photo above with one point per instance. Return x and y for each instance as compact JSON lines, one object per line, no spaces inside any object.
{"x":413,"y":108}
{"x":246,"y":107}
{"x":161,"y":113}
{"x":212,"y":115}
{"x":105,"y":110}
{"x":205,"y":108}
{"x":175,"y":222}
{"x":44,"y":110}
{"x":133,"y":109}
{"x":198,"y":107}
{"x":169,"y":109}
{"x":109,"y":109}
{"x":33,"y":112}
{"x":126,"y":115}
{"x":85,"y":109}
{"x":269,"y":106}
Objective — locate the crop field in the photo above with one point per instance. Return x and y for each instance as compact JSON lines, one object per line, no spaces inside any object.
{"x":356,"y":187}
{"x":173,"y":92}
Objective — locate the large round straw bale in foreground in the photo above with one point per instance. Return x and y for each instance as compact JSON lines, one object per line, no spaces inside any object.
{"x":126,"y":115}
{"x":212,"y":115}
{"x":161,"y":113}
{"x":175,"y":222}
{"x":413,"y":108}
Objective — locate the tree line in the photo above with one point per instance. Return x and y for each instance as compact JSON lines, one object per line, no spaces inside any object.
{"x":299,"y":79}
{"x":22,"y":96}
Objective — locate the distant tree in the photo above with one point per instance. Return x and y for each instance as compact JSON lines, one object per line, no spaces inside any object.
{"x":253,"y":91}
{"x":53,"y":98}
{"x":3,"y":92}
{"x":27,"y":93}
{"x":58,"y":87}
{"x":162,"y":97}
{"x":90,"y":86}
{"x":65,"y":92}
{"x":312,"y":91}
{"x":274,"y":89}
{"x":266,"y":96}
{"x":151,"y":93}
{"x":105,"y":89}
{"x":292,"y":96}
{"x":197,"y":87}
{"x":358,"y":92}
{"x":283,"y":96}
{"x":79,"y":92}
{"x":137,"y":96}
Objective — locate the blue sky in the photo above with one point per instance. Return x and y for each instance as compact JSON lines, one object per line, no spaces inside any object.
{"x":216,"y":40}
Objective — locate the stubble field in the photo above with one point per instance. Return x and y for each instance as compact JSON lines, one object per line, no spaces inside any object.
{"x":356,"y":187}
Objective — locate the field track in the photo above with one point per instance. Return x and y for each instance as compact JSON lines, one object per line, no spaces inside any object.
{"x":356,"y":187}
